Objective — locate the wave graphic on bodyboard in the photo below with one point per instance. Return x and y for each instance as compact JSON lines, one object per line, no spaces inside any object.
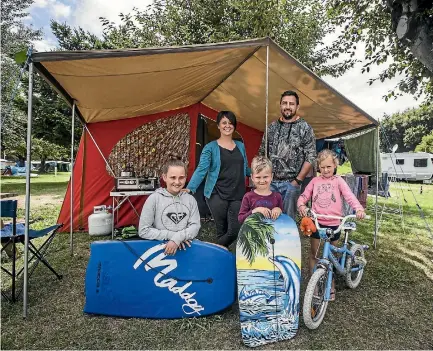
{"x":269,"y":279}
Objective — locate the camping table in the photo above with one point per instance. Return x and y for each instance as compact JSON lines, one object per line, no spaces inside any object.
{"x":120,"y":197}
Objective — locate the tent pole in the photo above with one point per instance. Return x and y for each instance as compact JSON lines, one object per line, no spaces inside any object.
{"x":97,"y":146}
{"x":27,"y":202}
{"x":376,"y":223}
{"x":71,"y":240}
{"x":267,"y":100}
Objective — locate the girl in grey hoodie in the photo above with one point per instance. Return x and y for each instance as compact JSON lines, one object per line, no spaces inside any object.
{"x":169,"y":213}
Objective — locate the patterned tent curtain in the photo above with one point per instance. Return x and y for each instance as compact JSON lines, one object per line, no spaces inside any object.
{"x":146,"y":149}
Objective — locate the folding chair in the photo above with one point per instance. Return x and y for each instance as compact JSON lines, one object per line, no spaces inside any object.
{"x":13,"y":233}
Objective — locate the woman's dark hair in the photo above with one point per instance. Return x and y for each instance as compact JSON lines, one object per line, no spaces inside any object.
{"x":173,"y":161}
{"x":229,"y":115}
{"x":290,"y":93}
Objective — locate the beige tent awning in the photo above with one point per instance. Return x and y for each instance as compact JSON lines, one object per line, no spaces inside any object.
{"x":115,"y":84}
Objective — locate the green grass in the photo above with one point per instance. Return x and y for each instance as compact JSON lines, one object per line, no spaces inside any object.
{"x":44,"y":184}
{"x":391,"y":309}
{"x":46,"y":196}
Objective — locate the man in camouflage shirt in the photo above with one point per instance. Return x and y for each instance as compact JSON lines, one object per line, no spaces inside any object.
{"x":292,"y":150}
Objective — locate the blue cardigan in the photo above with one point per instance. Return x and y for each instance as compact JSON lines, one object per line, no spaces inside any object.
{"x":209,"y":167}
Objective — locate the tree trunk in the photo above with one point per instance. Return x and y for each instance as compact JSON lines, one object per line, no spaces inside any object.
{"x":414,"y":27}
{"x":42,"y":166}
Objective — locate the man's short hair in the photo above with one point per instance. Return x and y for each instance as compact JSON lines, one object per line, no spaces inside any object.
{"x":290,"y":93}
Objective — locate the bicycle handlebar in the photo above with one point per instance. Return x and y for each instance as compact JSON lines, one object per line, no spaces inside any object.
{"x":343,"y":219}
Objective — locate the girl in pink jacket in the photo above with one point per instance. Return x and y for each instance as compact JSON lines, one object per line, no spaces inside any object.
{"x":327,"y":192}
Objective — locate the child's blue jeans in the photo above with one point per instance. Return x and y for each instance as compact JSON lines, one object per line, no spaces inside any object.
{"x":289,"y":193}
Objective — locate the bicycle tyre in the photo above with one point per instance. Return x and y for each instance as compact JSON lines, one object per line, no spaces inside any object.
{"x":315,"y":306}
{"x":354,"y":278}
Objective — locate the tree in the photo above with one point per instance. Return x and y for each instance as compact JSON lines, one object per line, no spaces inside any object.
{"x":426,"y":144}
{"x":43,"y":150}
{"x":15,"y":37}
{"x":51,"y":115}
{"x":400,"y":30}
{"x":406,"y":128}
{"x":412,"y":21}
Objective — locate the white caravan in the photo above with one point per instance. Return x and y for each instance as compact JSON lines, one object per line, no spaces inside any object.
{"x":408,"y":165}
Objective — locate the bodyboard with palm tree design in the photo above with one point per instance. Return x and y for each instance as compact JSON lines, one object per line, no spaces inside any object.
{"x":268,"y":262}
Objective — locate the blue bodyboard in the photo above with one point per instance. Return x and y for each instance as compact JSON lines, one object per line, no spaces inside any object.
{"x":268,"y":261}
{"x":136,"y":279}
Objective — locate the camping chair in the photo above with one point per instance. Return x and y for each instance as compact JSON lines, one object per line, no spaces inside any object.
{"x":13,"y":233}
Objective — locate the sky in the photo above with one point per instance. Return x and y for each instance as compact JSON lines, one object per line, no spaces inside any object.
{"x":85,"y":13}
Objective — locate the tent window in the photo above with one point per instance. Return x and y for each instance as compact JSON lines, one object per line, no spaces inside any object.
{"x":147,"y":148}
{"x":420,"y":162}
{"x":399,"y":161}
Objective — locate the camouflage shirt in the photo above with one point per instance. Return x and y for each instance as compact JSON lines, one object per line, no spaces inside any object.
{"x":289,"y":146}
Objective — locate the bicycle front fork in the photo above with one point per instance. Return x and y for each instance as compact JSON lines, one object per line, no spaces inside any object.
{"x":329,"y":285}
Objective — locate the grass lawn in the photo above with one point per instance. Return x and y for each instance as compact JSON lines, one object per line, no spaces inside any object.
{"x":391,"y":309}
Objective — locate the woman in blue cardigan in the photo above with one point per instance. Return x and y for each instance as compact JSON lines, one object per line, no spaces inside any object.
{"x":224,"y":164}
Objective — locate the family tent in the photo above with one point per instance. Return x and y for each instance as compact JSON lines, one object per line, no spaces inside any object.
{"x":117,"y":92}
{"x":144,"y":104}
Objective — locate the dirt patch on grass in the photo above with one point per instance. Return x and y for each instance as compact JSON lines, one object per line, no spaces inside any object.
{"x":39,"y":200}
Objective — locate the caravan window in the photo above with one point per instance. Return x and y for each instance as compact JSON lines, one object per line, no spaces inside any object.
{"x":399,"y":161}
{"x":420,"y":162}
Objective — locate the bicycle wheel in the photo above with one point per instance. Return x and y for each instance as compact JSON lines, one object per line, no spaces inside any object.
{"x":314,"y":308}
{"x":354,"y":278}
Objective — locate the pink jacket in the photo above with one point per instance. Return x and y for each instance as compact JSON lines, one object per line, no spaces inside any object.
{"x":327,"y":196}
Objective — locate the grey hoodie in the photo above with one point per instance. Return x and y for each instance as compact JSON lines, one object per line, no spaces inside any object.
{"x":168,"y":217}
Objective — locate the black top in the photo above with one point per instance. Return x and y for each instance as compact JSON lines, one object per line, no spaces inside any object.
{"x":231,"y":179}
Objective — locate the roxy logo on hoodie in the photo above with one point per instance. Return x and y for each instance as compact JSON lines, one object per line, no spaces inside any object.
{"x":173,"y":215}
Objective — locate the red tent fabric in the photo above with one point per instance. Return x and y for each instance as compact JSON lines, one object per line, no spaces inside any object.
{"x":92,"y":182}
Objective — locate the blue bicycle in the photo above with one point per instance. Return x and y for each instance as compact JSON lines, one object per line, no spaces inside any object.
{"x":350,"y":263}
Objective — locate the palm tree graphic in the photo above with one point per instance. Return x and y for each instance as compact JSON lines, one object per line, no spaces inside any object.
{"x":256,"y":233}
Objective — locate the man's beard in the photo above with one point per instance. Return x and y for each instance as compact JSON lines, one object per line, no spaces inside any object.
{"x":288,"y":115}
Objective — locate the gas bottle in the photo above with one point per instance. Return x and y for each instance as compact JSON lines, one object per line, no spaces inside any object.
{"x":100,"y":221}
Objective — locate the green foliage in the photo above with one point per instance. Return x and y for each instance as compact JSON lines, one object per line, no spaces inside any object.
{"x":20,"y":57}
{"x":41,"y":150}
{"x":16,"y":37}
{"x":406,"y":128}
{"x":369,"y":22}
{"x":426,"y":144}
{"x":76,"y":38}
{"x":255,"y":236}
{"x":44,"y":150}
{"x":51,"y":115}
